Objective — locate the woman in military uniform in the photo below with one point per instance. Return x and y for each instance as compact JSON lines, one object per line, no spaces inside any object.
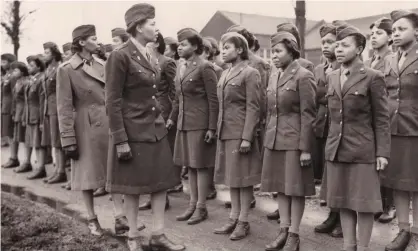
{"x":21,"y":74}
{"x":380,"y":37}
{"x":358,"y":139}
{"x":119,"y":36}
{"x":287,"y":165}
{"x":139,"y":159}
{"x":401,"y":75}
{"x":7,"y":83}
{"x":327,"y":32}
{"x":196,"y":112}
{"x":66,"y":51}
{"x":209,"y":55}
{"x":238,"y":154}
{"x":53,"y":58}
{"x":33,"y":101}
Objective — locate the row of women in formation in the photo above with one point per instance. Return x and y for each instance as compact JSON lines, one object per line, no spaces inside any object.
{"x":127,"y":124}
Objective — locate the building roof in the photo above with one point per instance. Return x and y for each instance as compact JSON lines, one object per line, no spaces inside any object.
{"x":262,"y":25}
{"x":312,"y":39}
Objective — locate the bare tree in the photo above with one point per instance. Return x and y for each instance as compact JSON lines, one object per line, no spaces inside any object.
{"x":300,"y":11}
{"x":12,"y":23}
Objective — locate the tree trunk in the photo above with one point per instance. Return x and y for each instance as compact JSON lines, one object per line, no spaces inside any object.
{"x":300,"y":12}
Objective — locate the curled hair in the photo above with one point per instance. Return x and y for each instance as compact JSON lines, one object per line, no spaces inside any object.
{"x":238,"y":43}
{"x":56,"y":54}
{"x":76,"y":47}
{"x":161,"y":43}
{"x":197,"y":41}
{"x":132,"y":31}
{"x":256,"y":45}
{"x":291,"y":48}
{"x":124,"y":37}
{"x":23,"y":69}
{"x":173,"y":47}
{"x":209,"y":51}
{"x":360,"y":40}
{"x":249,"y":37}
{"x":39,"y":64}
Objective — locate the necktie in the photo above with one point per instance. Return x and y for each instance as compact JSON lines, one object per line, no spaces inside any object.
{"x":374,"y":62}
{"x":401,"y":60}
{"x":344,"y":77}
{"x":183,"y":69}
{"x":329,"y":69}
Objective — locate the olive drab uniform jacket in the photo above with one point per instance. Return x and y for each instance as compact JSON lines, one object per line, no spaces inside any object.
{"x":131,"y":97}
{"x":402,"y":86}
{"x":359,"y":116}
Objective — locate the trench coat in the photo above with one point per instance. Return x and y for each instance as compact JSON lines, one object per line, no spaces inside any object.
{"x":82,"y":120}
{"x":402,"y":88}
{"x":380,"y":65}
{"x":135,"y":118}
{"x":50,"y":106}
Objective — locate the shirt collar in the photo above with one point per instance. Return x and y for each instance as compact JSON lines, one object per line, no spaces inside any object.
{"x":142,"y":49}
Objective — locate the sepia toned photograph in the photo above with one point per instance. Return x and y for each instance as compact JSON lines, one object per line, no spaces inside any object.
{"x":287,"y":125}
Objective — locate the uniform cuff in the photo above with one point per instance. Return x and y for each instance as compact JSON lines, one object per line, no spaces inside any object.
{"x":119,"y":136}
{"x":68,"y":141}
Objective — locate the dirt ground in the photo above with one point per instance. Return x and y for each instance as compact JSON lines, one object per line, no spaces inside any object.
{"x":26,"y":225}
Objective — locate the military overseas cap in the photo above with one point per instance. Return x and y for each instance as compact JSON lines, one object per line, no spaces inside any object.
{"x":170,"y":40}
{"x":85,"y":30}
{"x":31,"y":58}
{"x":225,"y":37}
{"x":186,"y":33}
{"x":398,"y":14}
{"x":49,"y":45}
{"x":343,"y":32}
{"x":235,"y":28}
{"x":118,"y":32}
{"x":67,"y":46}
{"x":138,"y":13}
{"x":326,"y":29}
{"x":289,"y":27}
{"x":383,"y":23}
{"x":8,"y":57}
{"x":108,"y":48}
{"x":339,"y":23}
{"x":281,"y":36}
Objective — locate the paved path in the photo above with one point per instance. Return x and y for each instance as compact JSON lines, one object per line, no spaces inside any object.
{"x":200,"y":237}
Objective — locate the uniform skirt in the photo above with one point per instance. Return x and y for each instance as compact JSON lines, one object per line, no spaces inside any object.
{"x":323,"y":192}
{"x":353,"y":186}
{"x":150,"y":170}
{"x":55,"y":132}
{"x":46,"y":135}
{"x":33,"y":136}
{"x":19,"y":132}
{"x":191,"y":150}
{"x":235,"y":169}
{"x":6,"y":125}
{"x":283,"y":173}
{"x":402,"y":173}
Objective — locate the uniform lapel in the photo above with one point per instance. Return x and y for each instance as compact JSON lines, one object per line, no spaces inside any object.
{"x":191,"y":67}
{"x":89,"y":70}
{"x":235,"y":71}
{"x":336,"y":82}
{"x":410,"y":58}
{"x":394,"y":63}
{"x":289,"y":72}
{"x":357,"y":73}
{"x":138,"y":57}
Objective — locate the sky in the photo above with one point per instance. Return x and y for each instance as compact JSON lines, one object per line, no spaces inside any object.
{"x":55,"y":20}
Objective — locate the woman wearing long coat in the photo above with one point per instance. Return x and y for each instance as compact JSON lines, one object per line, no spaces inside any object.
{"x":82,"y":118}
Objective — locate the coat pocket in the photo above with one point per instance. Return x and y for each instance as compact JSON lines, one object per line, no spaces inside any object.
{"x":96,"y":114}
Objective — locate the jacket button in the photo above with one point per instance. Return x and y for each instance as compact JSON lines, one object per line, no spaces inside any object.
{"x":340,"y":134}
{"x":397,"y":79}
{"x":93,"y":106}
{"x":98,"y":124}
{"x":153,"y":108}
{"x":396,"y":111}
{"x":153,"y":97}
{"x":397,"y":99}
{"x":341,"y":110}
{"x":73,"y":109}
{"x":90,"y":91}
{"x":326,"y":115}
{"x":154,"y":86}
{"x":341,"y":122}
